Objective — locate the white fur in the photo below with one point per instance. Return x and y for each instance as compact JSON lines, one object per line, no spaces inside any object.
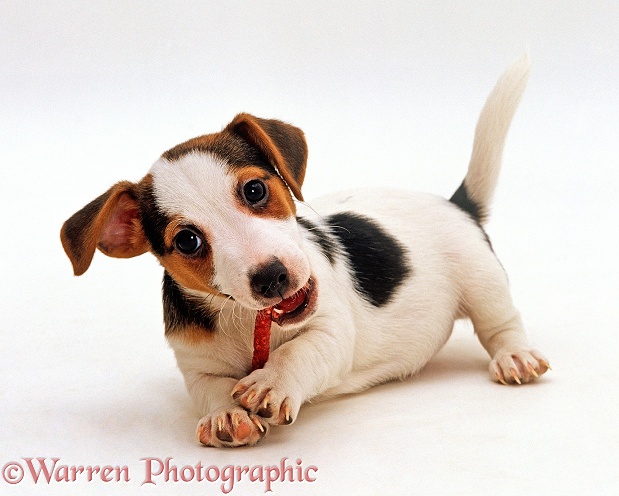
{"x":491,"y":131}
{"x":347,"y":344}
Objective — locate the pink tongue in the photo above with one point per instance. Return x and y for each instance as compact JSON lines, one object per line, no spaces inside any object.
{"x":292,"y":303}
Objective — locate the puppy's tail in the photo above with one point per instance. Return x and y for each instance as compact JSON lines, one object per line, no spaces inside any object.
{"x":475,"y":192}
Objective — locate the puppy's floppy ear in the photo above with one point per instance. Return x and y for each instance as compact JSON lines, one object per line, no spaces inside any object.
{"x":111,"y":223}
{"x":282,"y":144}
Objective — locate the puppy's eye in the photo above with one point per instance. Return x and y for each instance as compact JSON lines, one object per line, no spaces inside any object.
{"x":255,"y":191}
{"x":187,"y":242}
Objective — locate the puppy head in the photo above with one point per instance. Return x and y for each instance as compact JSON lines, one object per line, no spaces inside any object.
{"x":217,"y":211}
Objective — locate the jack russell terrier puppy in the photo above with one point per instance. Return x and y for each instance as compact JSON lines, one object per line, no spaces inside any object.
{"x":362,"y":288}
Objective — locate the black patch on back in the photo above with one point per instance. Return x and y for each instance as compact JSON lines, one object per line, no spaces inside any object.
{"x":379,"y":261}
{"x":462,"y":199}
{"x":179,"y":310}
{"x":321,"y":237}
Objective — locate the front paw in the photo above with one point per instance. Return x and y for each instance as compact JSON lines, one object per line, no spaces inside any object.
{"x":264,"y":394}
{"x":231,"y":427}
{"x":517,"y":366}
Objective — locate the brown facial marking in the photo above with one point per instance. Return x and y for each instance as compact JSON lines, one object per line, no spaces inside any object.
{"x":230,"y":148}
{"x":201,"y":143}
{"x":193,"y":271}
{"x":279,"y":204}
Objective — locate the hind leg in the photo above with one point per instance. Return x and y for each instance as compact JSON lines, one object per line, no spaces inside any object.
{"x":498,"y":325}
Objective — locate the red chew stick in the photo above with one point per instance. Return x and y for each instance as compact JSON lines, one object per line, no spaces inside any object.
{"x":262,"y":338}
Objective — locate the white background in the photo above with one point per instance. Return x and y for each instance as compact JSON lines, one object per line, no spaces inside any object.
{"x":388,"y":93}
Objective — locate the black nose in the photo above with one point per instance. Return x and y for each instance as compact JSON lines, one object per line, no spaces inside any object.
{"x":270,"y":280}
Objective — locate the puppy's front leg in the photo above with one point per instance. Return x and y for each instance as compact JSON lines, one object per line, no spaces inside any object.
{"x":298,"y":370}
{"x":224,"y":423}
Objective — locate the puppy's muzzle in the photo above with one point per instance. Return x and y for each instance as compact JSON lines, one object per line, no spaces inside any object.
{"x":270,"y":280}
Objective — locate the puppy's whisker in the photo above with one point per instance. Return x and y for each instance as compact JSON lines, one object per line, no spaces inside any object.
{"x":321,"y":217}
{"x":224,"y":320}
{"x":342,"y":228}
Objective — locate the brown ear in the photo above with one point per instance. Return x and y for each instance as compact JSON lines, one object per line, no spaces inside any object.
{"x":111,"y":223}
{"x":283,"y":146}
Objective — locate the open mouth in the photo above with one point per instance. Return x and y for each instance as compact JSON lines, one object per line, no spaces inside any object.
{"x":295,"y":307}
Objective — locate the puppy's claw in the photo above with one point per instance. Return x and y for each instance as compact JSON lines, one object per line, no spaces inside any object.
{"x":544,"y":363}
{"x":258,"y":424}
{"x":230,"y":427}
{"x":532,"y":370}
{"x":502,"y":381}
{"x":287,"y":414}
{"x":514,"y":374}
{"x":236,"y":421}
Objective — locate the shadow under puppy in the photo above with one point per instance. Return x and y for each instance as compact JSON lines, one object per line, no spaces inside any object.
{"x":365,"y":286}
